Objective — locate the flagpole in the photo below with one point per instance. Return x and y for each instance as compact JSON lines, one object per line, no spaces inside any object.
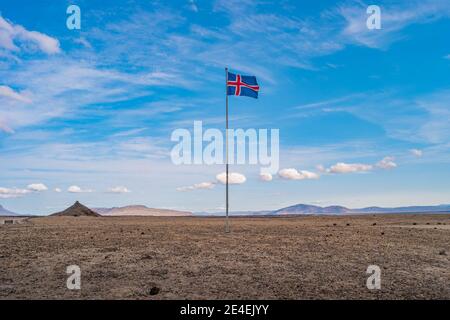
{"x":227,"y":225}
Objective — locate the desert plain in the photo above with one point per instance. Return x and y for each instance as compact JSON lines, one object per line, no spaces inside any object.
{"x":298,"y":257}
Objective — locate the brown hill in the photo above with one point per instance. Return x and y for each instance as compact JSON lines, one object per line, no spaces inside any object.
{"x":77,"y":210}
{"x":139,"y":210}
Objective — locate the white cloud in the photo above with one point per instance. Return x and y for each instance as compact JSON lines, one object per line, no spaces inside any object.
{"x":265,"y":177}
{"x":416,"y":152}
{"x":233,"y":178}
{"x":342,"y":167}
{"x":37,"y":187}
{"x":387,"y":163}
{"x":77,"y":189}
{"x":119,"y":189}
{"x":10,"y":34}
{"x":58,"y":190}
{"x":6,"y":193}
{"x":294,"y":174}
{"x":84,"y":42}
{"x":193,"y":6}
{"x":8,"y":92}
{"x":321,"y":168}
{"x":5,"y":128}
{"x":202,"y":185}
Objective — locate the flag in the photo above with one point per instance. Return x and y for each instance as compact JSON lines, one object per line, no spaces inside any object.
{"x":238,"y":85}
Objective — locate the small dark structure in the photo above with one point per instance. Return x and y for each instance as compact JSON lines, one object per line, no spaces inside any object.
{"x":77,"y":210}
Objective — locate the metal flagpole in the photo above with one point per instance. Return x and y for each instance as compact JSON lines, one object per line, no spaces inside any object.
{"x":227,"y":225}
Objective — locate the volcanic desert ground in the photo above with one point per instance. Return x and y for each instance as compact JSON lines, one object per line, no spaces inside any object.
{"x":307,"y":257}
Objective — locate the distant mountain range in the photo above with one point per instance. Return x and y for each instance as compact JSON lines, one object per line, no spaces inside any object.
{"x":4,"y":212}
{"x":305,"y":209}
{"x":139,"y":210}
{"x":298,"y":209}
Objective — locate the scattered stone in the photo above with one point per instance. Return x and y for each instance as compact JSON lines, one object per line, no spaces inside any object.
{"x":142,"y":233}
{"x":414,"y":223}
{"x":154,"y":291}
{"x":334,"y":224}
{"x":442,"y":253}
{"x":374,"y":224}
{"x":382,"y":233}
{"x":348,"y":224}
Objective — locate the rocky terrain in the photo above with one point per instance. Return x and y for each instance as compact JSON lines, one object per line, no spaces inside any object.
{"x":301,"y":257}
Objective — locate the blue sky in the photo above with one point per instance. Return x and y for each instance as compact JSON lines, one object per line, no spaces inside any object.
{"x":87,"y":114}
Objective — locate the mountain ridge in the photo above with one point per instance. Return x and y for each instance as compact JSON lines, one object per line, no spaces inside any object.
{"x":307,"y":209}
{"x":76,"y":210}
{"x":5,"y":212}
{"x":140,"y":210}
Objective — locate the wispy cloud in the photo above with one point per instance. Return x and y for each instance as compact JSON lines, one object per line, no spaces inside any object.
{"x":265,"y":177}
{"x":77,"y":189}
{"x":38,"y":187}
{"x":416,"y":152}
{"x":119,"y":189}
{"x":8,"y":92}
{"x":342,"y":167}
{"x":294,"y":174}
{"x":233,"y":178}
{"x":394,"y":17}
{"x":387,"y":163}
{"x":6,"y":193}
{"x":15,"y":37}
{"x":197,"y":186}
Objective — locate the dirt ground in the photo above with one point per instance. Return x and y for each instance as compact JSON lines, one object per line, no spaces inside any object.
{"x":192,"y":258}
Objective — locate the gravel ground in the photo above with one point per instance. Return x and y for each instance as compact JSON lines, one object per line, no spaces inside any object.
{"x":323,"y":257}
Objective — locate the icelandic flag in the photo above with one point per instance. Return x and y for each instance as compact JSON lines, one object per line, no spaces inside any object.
{"x":238,"y":85}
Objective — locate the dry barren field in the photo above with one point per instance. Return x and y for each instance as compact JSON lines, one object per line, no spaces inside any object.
{"x":192,"y":258}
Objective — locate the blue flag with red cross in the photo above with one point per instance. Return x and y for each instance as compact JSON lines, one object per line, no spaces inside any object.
{"x":239,"y":85}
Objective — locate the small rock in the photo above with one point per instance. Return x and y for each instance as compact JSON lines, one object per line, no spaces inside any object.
{"x":154,"y":291}
{"x":348,"y":224}
{"x":374,"y":224}
{"x":382,"y":233}
{"x":414,"y":223}
{"x":442,"y":253}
